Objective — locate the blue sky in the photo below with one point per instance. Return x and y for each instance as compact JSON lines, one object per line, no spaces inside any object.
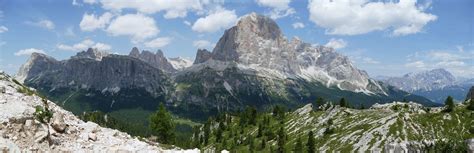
{"x":382,"y":37}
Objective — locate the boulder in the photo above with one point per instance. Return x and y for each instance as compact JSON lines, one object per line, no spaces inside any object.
{"x":58,"y":122}
{"x":92,"y":136}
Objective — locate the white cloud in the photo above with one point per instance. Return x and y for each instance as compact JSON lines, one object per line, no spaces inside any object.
{"x":298,"y":25}
{"x":3,"y":29}
{"x":75,"y":3}
{"x":91,"y":22}
{"x":217,"y":20}
{"x":336,"y":43}
{"x":459,"y":62}
{"x":70,"y":31}
{"x":187,"y":23}
{"x":174,"y":9}
{"x":368,"y":60}
{"x":28,"y":51}
{"x":201,"y":43}
{"x":416,"y":64}
{"x":363,"y":16}
{"x":158,"y":42}
{"x":280,"y":8}
{"x":84,"y":45}
{"x":101,"y":46}
{"x":278,"y":4}
{"x":90,"y":1}
{"x":46,"y":24}
{"x":138,"y":26}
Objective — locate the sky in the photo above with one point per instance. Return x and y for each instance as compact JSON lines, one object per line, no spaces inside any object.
{"x":388,"y":38}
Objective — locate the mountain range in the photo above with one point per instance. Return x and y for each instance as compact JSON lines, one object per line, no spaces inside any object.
{"x":436,"y":84}
{"x":252,"y":64}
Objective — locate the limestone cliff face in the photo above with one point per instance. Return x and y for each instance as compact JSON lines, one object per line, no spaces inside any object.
{"x":256,"y":42}
{"x":202,"y":56}
{"x":157,"y":59}
{"x":85,"y":70}
{"x":470,"y":94}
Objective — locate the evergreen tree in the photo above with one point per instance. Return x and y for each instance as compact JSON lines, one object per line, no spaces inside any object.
{"x":278,"y":112}
{"x":259,"y":130}
{"x":251,"y":144}
{"x":207,"y":131}
{"x":310,"y":144}
{"x":319,"y":102}
{"x":219,"y":132}
{"x":281,"y":140}
{"x":161,"y":123}
{"x":449,"y":104}
{"x":343,"y":102}
{"x":470,"y":105}
{"x":298,"y":146}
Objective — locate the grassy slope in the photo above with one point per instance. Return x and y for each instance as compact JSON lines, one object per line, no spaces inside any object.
{"x":359,"y":130}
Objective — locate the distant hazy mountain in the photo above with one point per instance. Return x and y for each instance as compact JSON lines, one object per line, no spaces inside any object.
{"x":180,"y":63}
{"x":434,"y":84}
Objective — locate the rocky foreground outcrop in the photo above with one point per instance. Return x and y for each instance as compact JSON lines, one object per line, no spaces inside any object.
{"x":21,"y":131}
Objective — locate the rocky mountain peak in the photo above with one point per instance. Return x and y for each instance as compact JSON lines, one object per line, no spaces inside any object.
{"x":135,"y":52}
{"x":92,"y":53}
{"x":256,"y":42}
{"x":35,"y":64}
{"x":202,"y":55}
{"x":180,"y":63}
{"x":261,"y":25}
{"x":157,"y":60}
{"x":424,"y":81}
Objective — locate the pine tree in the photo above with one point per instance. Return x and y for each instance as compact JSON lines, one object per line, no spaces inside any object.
{"x":343,"y":102}
{"x":219,"y":132}
{"x":161,"y":123}
{"x":298,"y":146}
{"x":251,"y":144}
{"x":263,"y":143}
{"x":281,"y":140}
{"x":207,"y":131}
{"x":310,"y":144}
{"x":449,"y":104}
{"x":319,"y":102}
{"x":278,"y":112}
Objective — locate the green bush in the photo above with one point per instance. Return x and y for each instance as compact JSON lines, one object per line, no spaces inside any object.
{"x":43,"y":115}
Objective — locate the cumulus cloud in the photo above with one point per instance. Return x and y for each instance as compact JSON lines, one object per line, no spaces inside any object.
{"x":91,"y":22}
{"x":158,"y":42}
{"x":202,"y":44}
{"x":217,"y":20}
{"x":90,"y":1}
{"x":138,"y":26}
{"x":280,"y":8}
{"x":175,"y":9}
{"x":29,"y":51}
{"x":336,"y":43}
{"x":46,"y":24}
{"x":416,"y":64}
{"x":84,"y":45}
{"x":459,"y":62}
{"x":298,"y":25}
{"x":3,"y":29}
{"x":363,"y":16}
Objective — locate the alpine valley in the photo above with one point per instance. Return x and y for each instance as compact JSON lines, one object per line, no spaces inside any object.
{"x":252,"y":64}
{"x":255,"y":87}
